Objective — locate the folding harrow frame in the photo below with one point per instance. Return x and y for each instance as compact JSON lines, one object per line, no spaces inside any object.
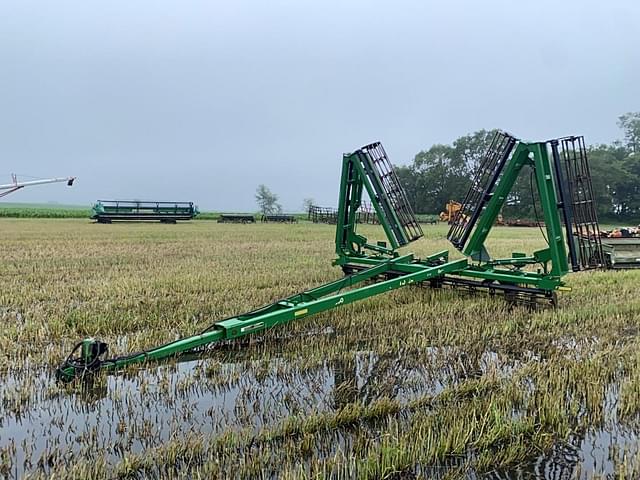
{"x":564,"y":188}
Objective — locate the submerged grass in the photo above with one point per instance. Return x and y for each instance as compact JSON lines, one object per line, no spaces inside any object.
{"x":416,"y":382}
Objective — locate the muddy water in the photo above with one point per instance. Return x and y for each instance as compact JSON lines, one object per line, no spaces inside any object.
{"x":132,"y":412}
{"x":129,"y":413}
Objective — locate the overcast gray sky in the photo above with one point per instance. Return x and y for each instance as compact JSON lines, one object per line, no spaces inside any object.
{"x":204,"y":100}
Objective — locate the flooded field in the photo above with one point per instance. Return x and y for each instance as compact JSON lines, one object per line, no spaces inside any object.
{"x":417,"y":383}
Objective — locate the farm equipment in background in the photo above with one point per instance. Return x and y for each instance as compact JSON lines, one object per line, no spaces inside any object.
{"x":518,"y":222}
{"x":622,"y":232}
{"x":451,"y":212}
{"x":365,"y":214}
{"x":279,"y":218}
{"x":236,"y":218}
{"x":621,"y":247}
{"x":107,"y":211}
{"x":317,"y":214}
{"x":15,"y":185}
{"x":621,"y":252}
{"x":373,"y":268}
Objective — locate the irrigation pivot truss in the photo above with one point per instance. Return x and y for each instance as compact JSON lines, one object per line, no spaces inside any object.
{"x":16,"y":185}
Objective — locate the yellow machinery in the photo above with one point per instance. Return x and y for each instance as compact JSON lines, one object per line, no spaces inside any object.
{"x":451,"y":212}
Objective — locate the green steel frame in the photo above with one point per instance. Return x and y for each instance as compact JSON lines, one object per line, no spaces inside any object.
{"x":552,"y":261}
{"x":368,"y":170}
{"x":536,"y":156}
{"x":378,"y":268}
{"x":325,"y":297}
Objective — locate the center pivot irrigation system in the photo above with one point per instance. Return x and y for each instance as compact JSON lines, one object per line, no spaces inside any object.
{"x":561,"y":174}
{"x":15,"y":185}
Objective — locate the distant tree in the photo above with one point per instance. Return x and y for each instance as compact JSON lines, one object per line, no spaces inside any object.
{"x":408,"y":178}
{"x":267,"y":200}
{"x":608,"y":176}
{"x":306,"y":204}
{"x":615,"y":173}
{"x":443,"y":172}
{"x":630,"y":124}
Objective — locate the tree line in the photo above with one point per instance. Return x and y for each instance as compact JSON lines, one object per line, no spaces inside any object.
{"x":444,"y":172}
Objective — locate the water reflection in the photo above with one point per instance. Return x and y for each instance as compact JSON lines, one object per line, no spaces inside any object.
{"x":133,"y":411}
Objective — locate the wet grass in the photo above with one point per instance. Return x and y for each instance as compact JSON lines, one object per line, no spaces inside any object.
{"x":415,"y":383}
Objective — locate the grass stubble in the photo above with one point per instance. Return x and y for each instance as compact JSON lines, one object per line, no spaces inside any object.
{"x":430,"y":383}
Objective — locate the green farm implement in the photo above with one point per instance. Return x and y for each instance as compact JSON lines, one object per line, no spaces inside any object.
{"x":236,"y":218}
{"x":108,"y":211}
{"x":365,"y":214}
{"x":561,"y":174}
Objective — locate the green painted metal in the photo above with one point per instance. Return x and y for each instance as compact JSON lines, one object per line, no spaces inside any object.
{"x":475,"y":247}
{"x":354,"y":182}
{"x":378,"y":267}
{"x":380,"y":201}
{"x":552,"y":261}
{"x":534,"y":155}
{"x":120,"y":210}
{"x":298,"y":306}
{"x":362,"y":172}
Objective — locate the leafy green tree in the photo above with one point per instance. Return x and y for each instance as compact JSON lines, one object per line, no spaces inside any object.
{"x":445,"y":172}
{"x":407,"y":177}
{"x":267,"y":200}
{"x":523,"y":201}
{"x":630,"y":124}
{"x":606,"y":163}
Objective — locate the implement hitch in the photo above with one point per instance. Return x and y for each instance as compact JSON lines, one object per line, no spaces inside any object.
{"x":87,"y":359}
